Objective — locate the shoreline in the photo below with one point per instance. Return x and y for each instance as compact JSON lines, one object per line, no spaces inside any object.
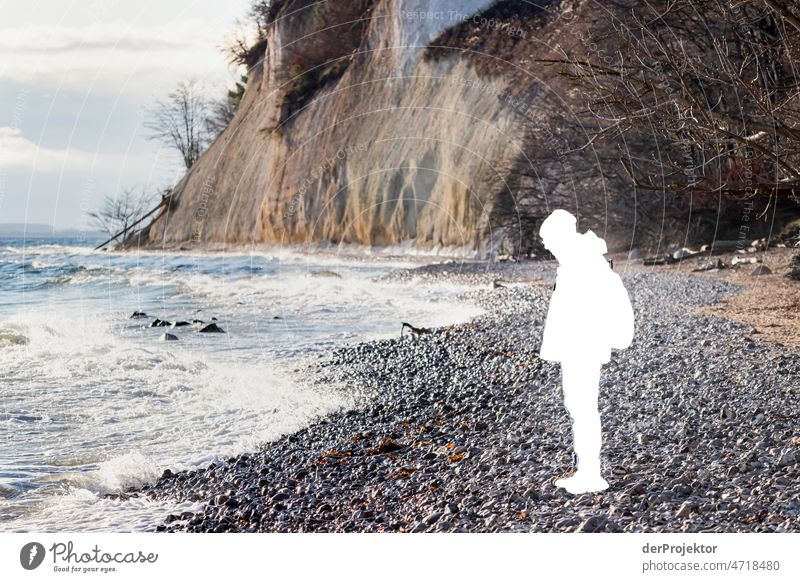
{"x":770,"y":302}
{"x":351,"y":251}
{"x":464,"y":429}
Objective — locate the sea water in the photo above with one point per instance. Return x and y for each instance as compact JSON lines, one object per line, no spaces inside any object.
{"x":92,"y":402}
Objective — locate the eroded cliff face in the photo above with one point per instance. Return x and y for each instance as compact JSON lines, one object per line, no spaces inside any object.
{"x":393,"y":149}
{"x":354,"y":129}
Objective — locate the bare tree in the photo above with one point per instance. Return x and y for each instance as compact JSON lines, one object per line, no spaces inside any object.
{"x":239,"y":48}
{"x":715,"y":81}
{"x":262,"y":14}
{"x":222,"y":111}
{"x":245,"y":45}
{"x":119,"y":213}
{"x":180,"y":121}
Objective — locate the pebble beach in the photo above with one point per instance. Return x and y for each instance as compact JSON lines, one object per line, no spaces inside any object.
{"x":463,"y":428}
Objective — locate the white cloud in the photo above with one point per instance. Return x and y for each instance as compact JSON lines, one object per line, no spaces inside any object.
{"x":73,"y":75}
{"x":111,"y":54}
{"x":18,"y":152}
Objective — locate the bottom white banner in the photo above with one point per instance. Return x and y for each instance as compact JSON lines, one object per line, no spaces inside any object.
{"x":105,"y":556}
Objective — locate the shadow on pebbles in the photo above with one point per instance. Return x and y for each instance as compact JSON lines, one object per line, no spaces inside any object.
{"x":464,"y":429}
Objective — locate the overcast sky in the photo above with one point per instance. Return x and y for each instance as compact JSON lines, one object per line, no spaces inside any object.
{"x":75,"y":80}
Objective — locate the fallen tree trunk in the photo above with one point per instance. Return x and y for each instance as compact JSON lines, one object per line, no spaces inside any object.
{"x":161,"y":204}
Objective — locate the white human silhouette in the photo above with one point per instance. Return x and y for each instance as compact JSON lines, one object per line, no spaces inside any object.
{"x":590,"y":313}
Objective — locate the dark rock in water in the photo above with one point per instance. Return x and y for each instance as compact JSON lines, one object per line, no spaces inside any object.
{"x":166,"y":474}
{"x":139,"y":315}
{"x":181,"y":324}
{"x":198,"y":321}
{"x":277,"y":317}
{"x":159,"y":323}
{"x":329,"y":274}
{"x":761,"y":270}
{"x":168,"y":337}
{"x":212,"y":328}
{"x":213,"y":319}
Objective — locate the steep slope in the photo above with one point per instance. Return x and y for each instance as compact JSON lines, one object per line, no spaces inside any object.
{"x":381,"y":121}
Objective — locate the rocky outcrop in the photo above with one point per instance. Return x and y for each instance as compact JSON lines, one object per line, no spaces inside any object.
{"x":383,"y":121}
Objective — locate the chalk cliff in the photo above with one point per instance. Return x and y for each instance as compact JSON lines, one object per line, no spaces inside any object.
{"x":384,"y":121}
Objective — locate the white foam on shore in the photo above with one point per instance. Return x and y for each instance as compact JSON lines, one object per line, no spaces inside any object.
{"x":331,"y":299}
{"x":117,"y":474}
{"x":81,"y":510}
{"x":92,"y":403}
{"x":86,"y":393}
{"x":188,"y":403}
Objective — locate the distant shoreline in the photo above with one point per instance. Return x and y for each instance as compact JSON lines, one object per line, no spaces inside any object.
{"x":49,"y":233}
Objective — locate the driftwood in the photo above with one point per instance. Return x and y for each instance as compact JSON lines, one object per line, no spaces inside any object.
{"x":415,"y":331}
{"x":164,"y":202}
{"x":659,"y":260}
